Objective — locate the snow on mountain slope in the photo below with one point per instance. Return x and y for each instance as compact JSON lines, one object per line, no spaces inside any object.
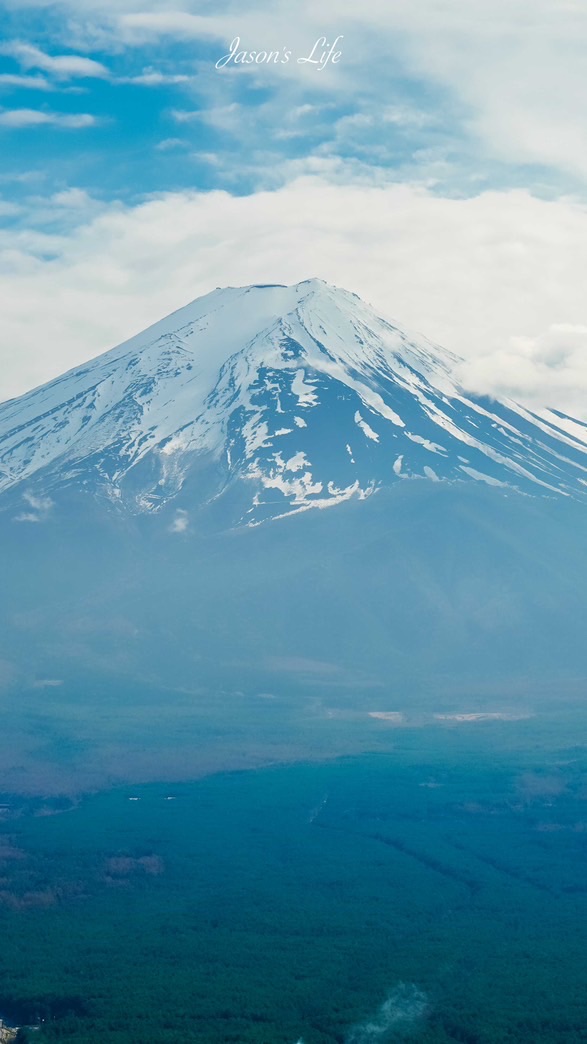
{"x":303,"y":393}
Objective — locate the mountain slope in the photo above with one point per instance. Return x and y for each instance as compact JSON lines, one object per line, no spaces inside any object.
{"x":275,"y":399}
{"x":151,"y":627}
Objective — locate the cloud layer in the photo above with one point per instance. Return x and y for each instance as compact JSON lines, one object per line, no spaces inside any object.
{"x":497,"y":278}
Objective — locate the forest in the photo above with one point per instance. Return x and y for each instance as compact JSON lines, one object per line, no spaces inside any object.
{"x":436,"y":892}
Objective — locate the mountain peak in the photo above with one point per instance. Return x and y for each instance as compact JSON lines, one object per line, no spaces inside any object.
{"x":301,"y":396}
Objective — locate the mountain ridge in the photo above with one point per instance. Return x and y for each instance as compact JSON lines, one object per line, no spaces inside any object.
{"x":302,"y":395}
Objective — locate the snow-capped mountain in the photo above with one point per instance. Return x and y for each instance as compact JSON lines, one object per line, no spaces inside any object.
{"x":153,"y":626}
{"x":301,"y":396}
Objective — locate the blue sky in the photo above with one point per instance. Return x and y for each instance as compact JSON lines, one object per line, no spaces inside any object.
{"x":121,"y":121}
{"x":123,"y":103}
{"x":438,"y":169}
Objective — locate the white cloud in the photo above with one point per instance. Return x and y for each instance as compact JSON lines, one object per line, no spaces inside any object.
{"x":41,"y":506}
{"x":63,"y":211}
{"x":42,"y":503}
{"x":36,"y":83}
{"x":185,"y":115}
{"x":9,"y":209}
{"x":223,"y":117}
{"x":142,"y":26}
{"x":405,"y":116}
{"x":65,"y":66}
{"x":22,"y":118}
{"x":75,"y":198}
{"x":550,"y":366}
{"x":405,"y":1006}
{"x":514,"y":71}
{"x":155,"y":78}
{"x":71,"y":66}
{"x":215,"y":159}
{"x":180,"y":523}
{"x":497,"y":278}
{"x":170,"y":144}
